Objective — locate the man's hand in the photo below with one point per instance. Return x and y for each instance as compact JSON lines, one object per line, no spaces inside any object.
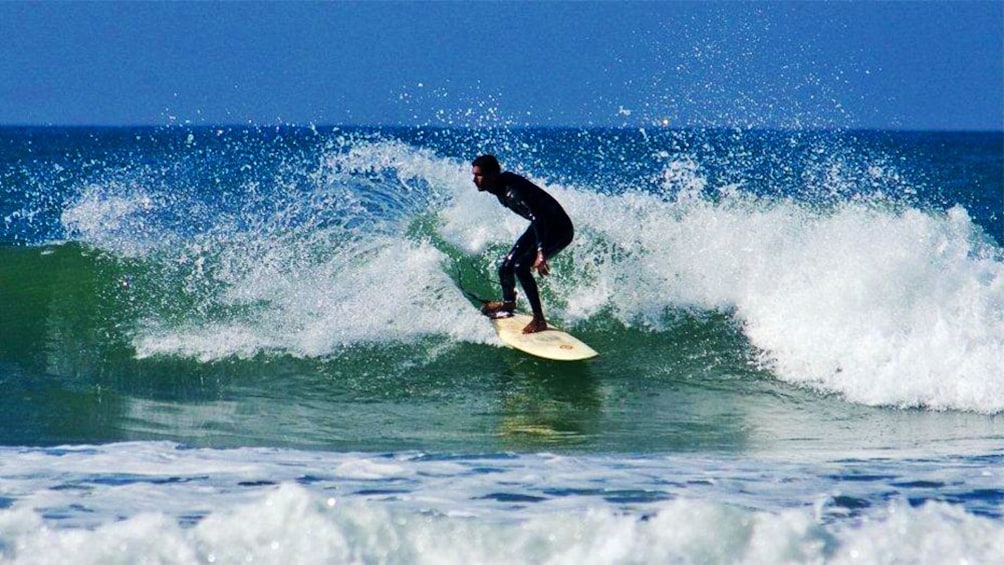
{"x":541,"y":264}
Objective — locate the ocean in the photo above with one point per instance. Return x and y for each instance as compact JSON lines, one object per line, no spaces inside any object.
{"x":253,"y":345}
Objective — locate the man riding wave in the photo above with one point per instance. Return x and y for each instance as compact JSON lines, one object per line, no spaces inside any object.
{"x":549,"y":232}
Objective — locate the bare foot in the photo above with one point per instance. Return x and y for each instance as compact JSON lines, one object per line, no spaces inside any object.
{"x":535,"y":325}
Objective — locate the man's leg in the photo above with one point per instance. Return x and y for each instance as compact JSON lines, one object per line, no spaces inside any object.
{"x":524,"y":272}
{"x":507,"y":275}
{"x":523,"y":267}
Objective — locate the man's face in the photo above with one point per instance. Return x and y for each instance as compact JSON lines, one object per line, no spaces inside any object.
{"x":482,"y":180}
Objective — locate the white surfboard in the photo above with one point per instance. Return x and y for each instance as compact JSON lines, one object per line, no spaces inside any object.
{"x":551,"y":343}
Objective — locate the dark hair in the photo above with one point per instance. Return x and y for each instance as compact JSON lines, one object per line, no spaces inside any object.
{"x":488,"y":164}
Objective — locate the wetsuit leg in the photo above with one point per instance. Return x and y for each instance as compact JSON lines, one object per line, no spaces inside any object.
{"x":519,"y":262}
{"x":507,"y":270}
{"x":523,"y":263}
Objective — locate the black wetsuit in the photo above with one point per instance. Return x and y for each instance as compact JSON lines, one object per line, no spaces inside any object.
{"x":550,"y":231}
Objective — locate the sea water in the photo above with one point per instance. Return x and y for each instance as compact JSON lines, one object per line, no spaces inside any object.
{"x":254,"y":345}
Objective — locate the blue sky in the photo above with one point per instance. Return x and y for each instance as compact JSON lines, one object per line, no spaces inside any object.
{"x":905,"y":65}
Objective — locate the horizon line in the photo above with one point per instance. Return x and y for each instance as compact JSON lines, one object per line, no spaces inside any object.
{"x":579,"y":127}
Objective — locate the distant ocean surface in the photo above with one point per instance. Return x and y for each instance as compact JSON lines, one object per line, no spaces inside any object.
{"x":236,"y":345}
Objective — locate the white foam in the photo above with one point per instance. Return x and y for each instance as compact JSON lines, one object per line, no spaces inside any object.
{"x":885,"y":306}
{"x":933,"y":533}
{"x":292,"y":524}
{"x":395,"y":293}
{"x":368,"y":469}
{"x":311,"y":289}
{"x":158,"y":502}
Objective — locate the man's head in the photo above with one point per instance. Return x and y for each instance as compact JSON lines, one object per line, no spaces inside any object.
{"x":486,"y":170}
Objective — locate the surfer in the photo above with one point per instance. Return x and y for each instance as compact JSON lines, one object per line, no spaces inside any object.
{"x":549,"y":232}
